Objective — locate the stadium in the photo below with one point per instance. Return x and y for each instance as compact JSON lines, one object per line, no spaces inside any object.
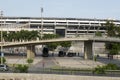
{"x":65,"y":27}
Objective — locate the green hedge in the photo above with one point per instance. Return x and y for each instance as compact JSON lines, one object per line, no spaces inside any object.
{"x":103,"y":69}
{"x":21,"y":68}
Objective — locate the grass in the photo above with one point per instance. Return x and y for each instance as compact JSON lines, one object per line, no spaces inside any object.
{"x":59,"y":68}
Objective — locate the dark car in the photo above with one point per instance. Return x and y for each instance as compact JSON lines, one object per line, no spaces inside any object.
{"x":61,"y":54}
{"x":45,"y":52}
{"x":70,"y":54}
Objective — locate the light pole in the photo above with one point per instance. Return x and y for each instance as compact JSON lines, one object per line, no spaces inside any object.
{"x":1,"y":14}
{"x":41,"y":22}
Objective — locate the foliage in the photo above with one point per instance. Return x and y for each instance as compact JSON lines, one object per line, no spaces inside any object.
{"x":111,"y":67}
{"x":113,"y":52}
{"x":20,"y":35}
{"x":112,"y":31}
{"x":26,"y":35}
{"x":50,"y":36}
{"x":95,"y":58}
{"x":29,"y":61}
{"x":113,"y":48}
{"x":3,"y":58}
{"x":99,"y":70}
{"x":65,"y":44}
{"x":102,"y":69}
{"x":98,"y":34}
{"x":21,"y":68}
{"x":52,"y":46}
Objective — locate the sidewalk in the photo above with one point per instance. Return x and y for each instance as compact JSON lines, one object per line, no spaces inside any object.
{"x":76,"y":62}
{"x":21,"y":60}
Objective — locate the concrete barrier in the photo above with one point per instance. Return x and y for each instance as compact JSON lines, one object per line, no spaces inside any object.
{"x":27,"y":76}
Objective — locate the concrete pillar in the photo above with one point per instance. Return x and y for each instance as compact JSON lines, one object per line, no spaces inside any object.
{"x":88,"y":50}
{"x":30,"y":51}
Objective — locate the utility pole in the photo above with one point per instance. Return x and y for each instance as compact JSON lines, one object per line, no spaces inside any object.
{"x":1,"y":15}
{"x":41,"y":22}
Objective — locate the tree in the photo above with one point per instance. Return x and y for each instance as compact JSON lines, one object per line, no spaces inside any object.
{"x":50,"y":36}
{"x":3,"y":59}
{"x":98,"y":34}
{"x":65,"y":44}
{"x":5,"y":35}
{"x":20,"y":35}
{"x":52,"y":46}
{"x":112,"y":31}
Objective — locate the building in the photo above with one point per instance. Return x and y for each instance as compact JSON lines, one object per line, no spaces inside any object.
{"x":65,"y":27}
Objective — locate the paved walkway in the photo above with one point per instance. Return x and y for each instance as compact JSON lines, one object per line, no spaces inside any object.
{"x":77,"y":62}
{"x":46,"y":62}
{"x":24,"y":76}
{"x":69,"y":62}
{"x":21,"y":60}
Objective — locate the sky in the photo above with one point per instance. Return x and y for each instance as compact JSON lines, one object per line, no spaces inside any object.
{"x":102,"y":9}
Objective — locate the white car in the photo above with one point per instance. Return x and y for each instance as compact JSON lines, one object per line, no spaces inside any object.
{"x":3,"y":67}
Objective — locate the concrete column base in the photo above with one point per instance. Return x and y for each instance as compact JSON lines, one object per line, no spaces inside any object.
{"x":30,"y":52}
{"x":88,"y":50}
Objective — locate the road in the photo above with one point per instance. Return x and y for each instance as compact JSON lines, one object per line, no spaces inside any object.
{"x":46,"y":62}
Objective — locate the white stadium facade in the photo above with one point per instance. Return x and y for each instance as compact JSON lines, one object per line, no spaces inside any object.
{"x":65,"y":27}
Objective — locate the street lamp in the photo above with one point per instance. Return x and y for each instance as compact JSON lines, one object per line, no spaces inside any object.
{"x":1,"y":14}
{"x":41,"y":22}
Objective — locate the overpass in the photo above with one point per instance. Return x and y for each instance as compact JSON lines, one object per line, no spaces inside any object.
{"x":88,"y":44}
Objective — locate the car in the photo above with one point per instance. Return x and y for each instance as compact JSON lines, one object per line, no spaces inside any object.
{"x":4,"y":67}
{"x":45,"y":52}
{"x":62,"y":54}
{"x":71,"y":54}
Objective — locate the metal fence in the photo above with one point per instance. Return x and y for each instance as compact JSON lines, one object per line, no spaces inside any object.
{"x":113,"y":73}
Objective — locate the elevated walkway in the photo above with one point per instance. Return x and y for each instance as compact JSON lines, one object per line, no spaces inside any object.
{"x":88,"y":44}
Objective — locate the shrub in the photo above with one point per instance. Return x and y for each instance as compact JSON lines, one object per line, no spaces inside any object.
{"x":29,"y":61}
{"x":4,"y":60}
{"x":95,"y":58}
{"x":111,"y":67}
{"x":101,"y":69}
{"x":21,"y":68}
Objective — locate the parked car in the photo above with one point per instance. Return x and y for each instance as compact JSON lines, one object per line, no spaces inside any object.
{"x":61,"y":54}
{"x":4,"y":67}
{"x":45,"y":52}
{"x":71,"y":54}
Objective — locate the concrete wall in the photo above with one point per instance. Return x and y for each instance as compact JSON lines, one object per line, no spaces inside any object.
{"x":26,"y":76}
